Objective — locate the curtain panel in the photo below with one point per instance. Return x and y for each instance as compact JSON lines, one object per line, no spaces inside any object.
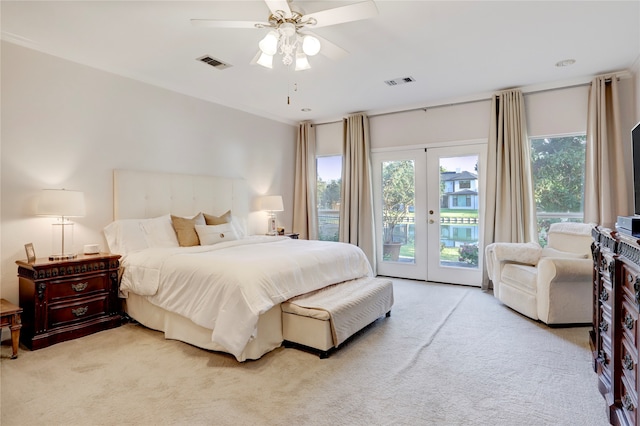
{"x":305,"y":214}
{"x":510,"y":214}
{"x":605,"y":188}
{"x":356,"y":200}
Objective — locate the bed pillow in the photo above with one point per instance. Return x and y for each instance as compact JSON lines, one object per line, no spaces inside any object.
{"x":239,"y":225}
{"x":217,"y":220}
{"x":159,"y":232}
{"x":185,"y":229}
{"x":213,"y":234}
{"x":125,"y":236}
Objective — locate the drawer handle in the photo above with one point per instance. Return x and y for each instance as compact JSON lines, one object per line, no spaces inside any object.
{"x":80,"y":286}
{"x":628,"y":321}
{"x":80,"y":311}
{"x":627,"y":402}
{"x":627,"y":362}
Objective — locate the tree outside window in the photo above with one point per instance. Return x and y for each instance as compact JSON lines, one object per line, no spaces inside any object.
{"x":558,"y":168}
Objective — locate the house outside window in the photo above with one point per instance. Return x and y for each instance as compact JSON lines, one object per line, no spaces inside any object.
{"x":558,"y":169}
{"x":329,"y":172}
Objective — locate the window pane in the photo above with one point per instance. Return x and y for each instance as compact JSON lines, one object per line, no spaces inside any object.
{"x":398,"y":201}
{"x":558,"y":180}
{"x":329,"y":170}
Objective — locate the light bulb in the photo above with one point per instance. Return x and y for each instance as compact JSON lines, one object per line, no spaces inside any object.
{"x":269,"y":44}
{"x":310,"y":45}
{"x":302,"y":63}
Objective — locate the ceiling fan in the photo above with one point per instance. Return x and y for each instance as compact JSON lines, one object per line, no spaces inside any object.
{"x":290,"y":35}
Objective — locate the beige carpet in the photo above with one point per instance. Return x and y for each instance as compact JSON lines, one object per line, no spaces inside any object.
{"x":447,"y":355}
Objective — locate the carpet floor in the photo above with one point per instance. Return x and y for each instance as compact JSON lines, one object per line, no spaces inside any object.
{"x":448,"y":355}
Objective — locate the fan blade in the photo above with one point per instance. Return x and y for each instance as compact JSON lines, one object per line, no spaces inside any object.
{"x":327,"y":48}
{"x":227,"y":24}
{"x":282,"y":5}
{"x":340,"y":15}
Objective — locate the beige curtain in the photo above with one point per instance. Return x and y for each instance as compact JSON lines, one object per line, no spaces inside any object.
{"x":356,"y":200}
{"x":305,"y":217}
{"x":605,"y":191}
{"x":510,"y":209}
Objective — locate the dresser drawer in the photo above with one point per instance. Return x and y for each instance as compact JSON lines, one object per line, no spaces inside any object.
{"x":77,"y":310}
{"x":631,"y":283}
{"x":77,"y":287}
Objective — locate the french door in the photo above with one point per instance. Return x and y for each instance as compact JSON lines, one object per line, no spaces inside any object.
{"x":428,"y":210}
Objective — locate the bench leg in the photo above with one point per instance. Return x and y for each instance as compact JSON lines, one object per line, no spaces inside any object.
{"x":16,"y":325}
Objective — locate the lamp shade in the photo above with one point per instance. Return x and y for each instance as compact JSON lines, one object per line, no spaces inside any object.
{"x":61,"y":202}
{"x":272,"y":203}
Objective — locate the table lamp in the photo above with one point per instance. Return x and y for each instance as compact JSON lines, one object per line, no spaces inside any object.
{"x":271,"y":204}
{"x":63,"y":204}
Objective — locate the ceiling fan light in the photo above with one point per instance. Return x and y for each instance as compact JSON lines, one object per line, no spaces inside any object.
{"x":265,"y":60}
{"x":310,"y":45}
{"x":269,"y":44}
{"x":302,"y":63}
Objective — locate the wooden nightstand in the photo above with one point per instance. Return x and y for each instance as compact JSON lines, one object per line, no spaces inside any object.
{"x":10,"y":317}
{"x":67,"y":299}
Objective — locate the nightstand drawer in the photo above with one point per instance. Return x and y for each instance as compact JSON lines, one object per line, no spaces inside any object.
{"x":77,"y":310}
{"x":77,"y":287}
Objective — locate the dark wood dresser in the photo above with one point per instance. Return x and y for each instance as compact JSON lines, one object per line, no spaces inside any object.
{"x":67,"y":299}
{"x":615,"y":338}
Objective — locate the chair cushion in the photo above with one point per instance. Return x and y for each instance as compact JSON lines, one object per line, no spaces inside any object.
{"x":520,"y":276}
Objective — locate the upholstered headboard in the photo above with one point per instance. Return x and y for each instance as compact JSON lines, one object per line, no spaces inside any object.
{"x":140,"y":194}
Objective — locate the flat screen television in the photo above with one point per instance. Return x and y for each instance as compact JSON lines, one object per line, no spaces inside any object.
{"x":635,"y":146}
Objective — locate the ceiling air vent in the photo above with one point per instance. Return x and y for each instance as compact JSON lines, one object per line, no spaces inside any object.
{"x":399,"y":81}
{"x":213,"y":62}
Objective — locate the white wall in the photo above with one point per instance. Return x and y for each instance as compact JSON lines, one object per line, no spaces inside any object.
{"x":65,"y":125}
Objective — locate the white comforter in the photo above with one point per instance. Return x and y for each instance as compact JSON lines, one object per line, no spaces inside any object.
{"x":226,"y":286}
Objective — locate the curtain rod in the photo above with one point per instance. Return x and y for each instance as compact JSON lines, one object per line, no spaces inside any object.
{"x":425,"y":108}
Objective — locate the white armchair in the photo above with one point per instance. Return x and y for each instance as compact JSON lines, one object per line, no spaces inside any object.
{"x":551,"y":284}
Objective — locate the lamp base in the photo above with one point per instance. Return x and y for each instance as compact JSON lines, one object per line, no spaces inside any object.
{"x":66,"y":256}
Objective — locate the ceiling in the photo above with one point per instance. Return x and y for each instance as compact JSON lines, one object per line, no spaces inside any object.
{"x":454,"y":50}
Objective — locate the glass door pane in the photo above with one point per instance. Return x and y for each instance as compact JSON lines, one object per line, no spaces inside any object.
{"x":398,"y":208}
{"x":454,"y":214}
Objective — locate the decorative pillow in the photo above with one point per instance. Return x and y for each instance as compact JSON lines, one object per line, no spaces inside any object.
{"x":213,"y":234}
{"x":185,"y":229}
{"x":125,"y":236}
{"x":217,"y":220}
{"x":159,"y":232}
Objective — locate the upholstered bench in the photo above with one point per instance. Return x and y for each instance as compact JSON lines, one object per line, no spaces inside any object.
{"x":324,"y":319}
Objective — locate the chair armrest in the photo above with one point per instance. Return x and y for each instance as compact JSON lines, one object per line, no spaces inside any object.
{"x":527,"y":253}
{"x":555,"y":269}
{"x":496,"y":254}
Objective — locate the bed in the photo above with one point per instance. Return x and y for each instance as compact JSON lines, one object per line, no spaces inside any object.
{"x":225,"y":293}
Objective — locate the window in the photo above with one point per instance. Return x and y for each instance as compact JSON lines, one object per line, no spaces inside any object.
{"x":465,"y":184}
{"x":329,"y":171}
{"x":558,"y":168}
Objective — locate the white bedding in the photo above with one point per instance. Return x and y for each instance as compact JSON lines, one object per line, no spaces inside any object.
{"x":227,"y":286}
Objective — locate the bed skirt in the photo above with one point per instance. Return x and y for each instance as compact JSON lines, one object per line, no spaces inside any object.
{"x":177,"y":327}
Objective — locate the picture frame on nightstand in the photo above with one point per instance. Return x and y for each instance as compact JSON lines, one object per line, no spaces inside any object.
{"x":31,"y":253}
